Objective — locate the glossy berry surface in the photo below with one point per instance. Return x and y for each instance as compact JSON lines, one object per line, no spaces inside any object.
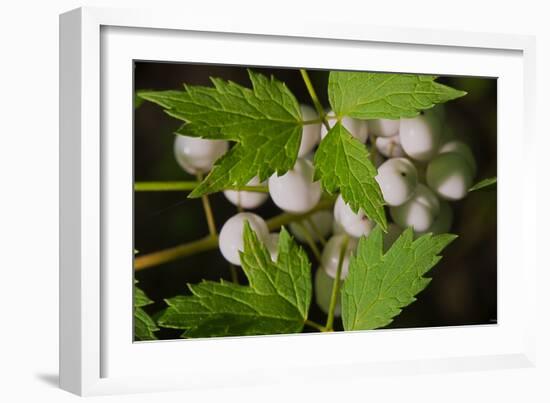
{"x":455,"y":146}
{"x":450,"y":176}
{"x":398,"y":179}
{"x":354,"y":224}
{"x":295,"y":191}
{"x":331,"y":255}
{"x":247,"y":200}
{"x":384,"y":127}
{"x":231,"y":235}
{"x":419,"y":212}
{"x":196,"y":155}
{"x":419,"y":139}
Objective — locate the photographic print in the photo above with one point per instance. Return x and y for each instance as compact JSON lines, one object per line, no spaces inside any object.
{"x":279,"y":200}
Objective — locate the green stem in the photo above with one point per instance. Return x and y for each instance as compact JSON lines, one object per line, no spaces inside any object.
{"x":208,"y":212}
{"x":310,"y":241}
{"x":336,"y":285}
{"x":212,"y":228}
{"x":316,"y":231}
{"x":210,"y":242}
{"x":187,"y":185}
{"x":314,"y":97}
{"x":239,"y":207}
{"x":315,"y":325}
{"x":167,"y":255}
{"x":390,"y":152}
{"x":234,"y":274}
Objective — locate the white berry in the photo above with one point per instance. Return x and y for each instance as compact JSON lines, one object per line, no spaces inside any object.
{"x":425,"y":196}
{"x":295,"y":191}
{"x":196,"y":155}
{"x":354,"y":224}
{"x":419,"y":139}
{"x":390,"y":146}
{"x":322,"y":225}
{"x":358,"y":128}
{"x":331,"y":255}
{"x":419,"y":212}
{"x":337,"y":228}
{"x":449,"y":175}
{"x":444,"y":220}
{"x":246,"y":199}
{"x":455,"y":146}
{"x":323,"y":292}
{"x":231,"y":235}
{"x":311,"y":133}
{"x":397,"y":178}
{"x":384,"y":127}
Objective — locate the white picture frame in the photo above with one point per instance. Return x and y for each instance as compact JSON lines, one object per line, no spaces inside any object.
{"x":96,"y":354}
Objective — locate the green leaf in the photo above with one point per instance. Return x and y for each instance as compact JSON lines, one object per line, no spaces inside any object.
{"x":144,"y":325}
{"x":140,"y":299}
{"x":276,"y":301}
{"x":138,"y":101}
{"x":379,"y":285}
{"x":384,"y":95}
{"x":483,"y":184}
{"x":342,"y":163}
{"x":265,"y":122}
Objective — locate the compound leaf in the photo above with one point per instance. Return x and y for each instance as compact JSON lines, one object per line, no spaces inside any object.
{"x":385,"y":95}
{"x":379,"y":285}
{"x":342,"y":163}
{"x":276,"y":300}
{"x":265,"y":122}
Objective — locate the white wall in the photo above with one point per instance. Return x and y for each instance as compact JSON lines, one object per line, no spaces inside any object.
{"x":28,"y":223}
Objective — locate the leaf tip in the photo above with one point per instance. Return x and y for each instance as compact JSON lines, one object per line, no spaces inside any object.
{"x":196,"y":193}
{"x":446,"y":239}
{"x":167,"y":301}
{"x":382,"y":223}
{"x":145,"y":95}
{"x":283,"y":232}
{"x":460,"y":94}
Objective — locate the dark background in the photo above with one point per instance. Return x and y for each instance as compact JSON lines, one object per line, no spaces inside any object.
{"x":464,"y":286}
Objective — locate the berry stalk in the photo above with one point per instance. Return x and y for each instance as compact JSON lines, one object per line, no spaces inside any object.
{"x":315,"y":325}
{"x":208,"y":211}
{"x":336,"y":286}
{"x":210,"y":242}
{"x":310,"y":241}
{"x":314,"y":97}
{"x":168,"y":186}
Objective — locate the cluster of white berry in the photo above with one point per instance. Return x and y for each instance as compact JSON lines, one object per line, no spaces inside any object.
{"x":421,"y":167}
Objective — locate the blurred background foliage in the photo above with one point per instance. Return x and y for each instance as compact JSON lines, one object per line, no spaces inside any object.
{"x":464,"y":286}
